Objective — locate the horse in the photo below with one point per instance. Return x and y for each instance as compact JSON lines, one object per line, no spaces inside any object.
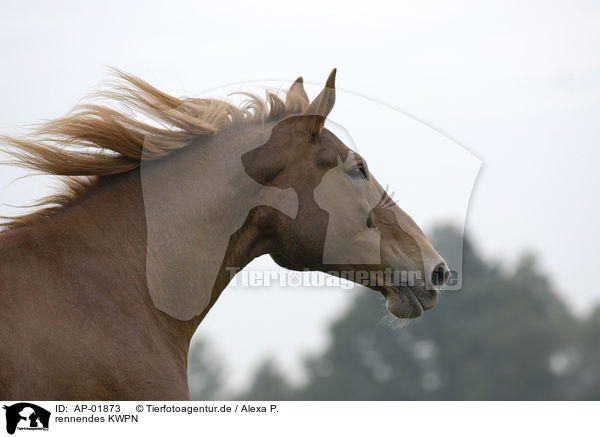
{"x":104,"y":285}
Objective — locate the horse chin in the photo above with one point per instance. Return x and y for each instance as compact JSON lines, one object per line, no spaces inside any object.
{"x":282,"y":261}
{"x":402,"y":302}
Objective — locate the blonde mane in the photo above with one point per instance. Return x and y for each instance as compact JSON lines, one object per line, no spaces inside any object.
{"x":96,"y":140}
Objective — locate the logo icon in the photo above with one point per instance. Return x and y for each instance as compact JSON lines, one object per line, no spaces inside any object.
{"x":26,"y":416}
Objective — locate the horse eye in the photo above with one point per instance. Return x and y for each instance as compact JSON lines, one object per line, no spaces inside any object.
{"x":360,"y":171}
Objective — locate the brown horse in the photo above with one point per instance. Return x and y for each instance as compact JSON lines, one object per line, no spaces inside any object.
{"x":104,"y":286}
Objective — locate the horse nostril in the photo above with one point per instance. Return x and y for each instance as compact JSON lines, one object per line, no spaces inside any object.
{"x":440,"y":275}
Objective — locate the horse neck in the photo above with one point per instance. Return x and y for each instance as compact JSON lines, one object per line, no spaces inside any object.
{"x":104,"y":232}
{"x":101,"y":234}
{"x":197,"y":206}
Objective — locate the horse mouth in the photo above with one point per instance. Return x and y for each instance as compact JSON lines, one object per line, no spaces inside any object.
{"x":408,"y":302}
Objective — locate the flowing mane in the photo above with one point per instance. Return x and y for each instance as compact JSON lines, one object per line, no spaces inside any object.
{"x":96,"y":140}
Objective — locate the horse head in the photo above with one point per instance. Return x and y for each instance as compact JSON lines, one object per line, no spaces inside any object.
{"x":346,"y":224}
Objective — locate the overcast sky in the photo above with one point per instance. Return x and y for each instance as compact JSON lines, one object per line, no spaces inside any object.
{"x":516,"y":83}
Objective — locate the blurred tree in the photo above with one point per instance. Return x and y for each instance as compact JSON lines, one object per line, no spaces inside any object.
{"x":205,"y":372}
{"x":582,"y":362}
{"x":269,"y":383}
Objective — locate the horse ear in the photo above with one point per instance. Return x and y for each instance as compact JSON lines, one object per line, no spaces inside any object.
{"x":296,"y":95}
{"x":322,"y":105}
